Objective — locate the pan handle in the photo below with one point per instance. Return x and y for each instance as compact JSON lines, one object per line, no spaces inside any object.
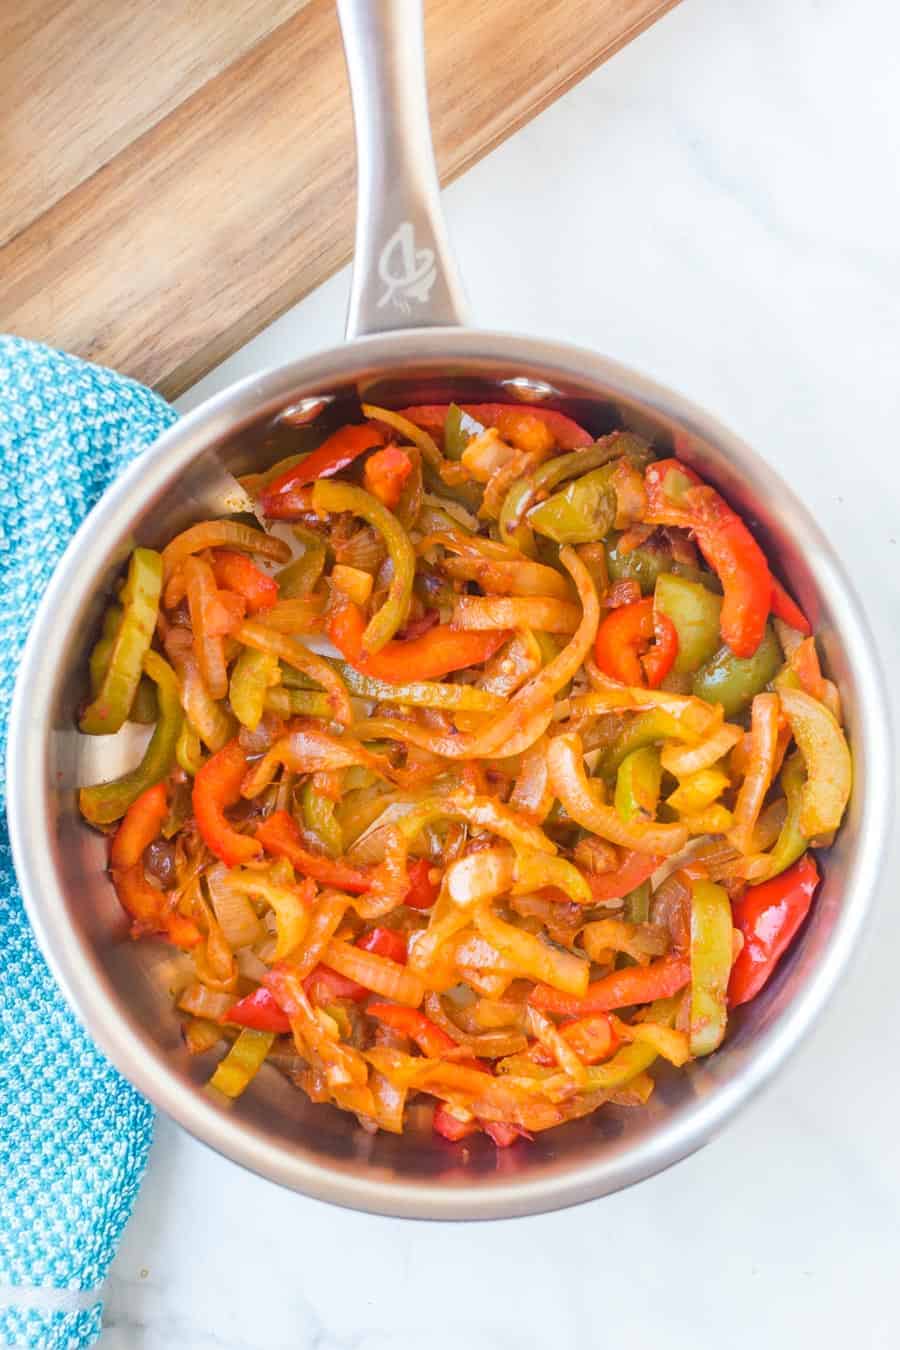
{"x":404,"y":273}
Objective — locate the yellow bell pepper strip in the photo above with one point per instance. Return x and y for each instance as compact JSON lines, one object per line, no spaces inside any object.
{"x":640,"y":941}
{"x":827,"y":758}
{"x":582,"y":800}
{"x":531,"y":957}
{"x":252,"y":675}
{"x":230,"y":534}
{"x":437,"y":652}
{"x":295,"y":654}
{"x":216,"y":787}
{"x":538,"y":483}
{"x":761,"y":768}
{"x":638,"y":783}
{"x":713,"y":819}
{"x":698,"y":790}
{"x":243,"y":1061}
{"x":320,"y":820}
{"x":140,"y":606}
{"x":286,"y":497}
{"x":677,"y":496}
{"x":694,"y":611}
{"x":301,"y":575}
{"x":422,"y":694}
{"x":791,"y":842}
{"x":619,"y":989}
{"x":733,"y":681}
{"x":333,"y":497}
{"x":533,"y":871}
{"x":352,"y":582}
{"x":769,"y":916}
{"x":582,"y":513}
{"x":711,"y":953}
{"x":103,"y":803}
{"x":685,"y":760}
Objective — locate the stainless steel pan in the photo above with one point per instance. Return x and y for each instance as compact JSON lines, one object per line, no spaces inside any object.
{"x":406,"y":343}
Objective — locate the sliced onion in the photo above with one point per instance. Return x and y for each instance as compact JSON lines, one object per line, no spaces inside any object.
{"x":378,"y":973}
{"x":237,"y":917}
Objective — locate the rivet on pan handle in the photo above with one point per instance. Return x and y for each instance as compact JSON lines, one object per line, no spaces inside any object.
{"x":404,"y":273}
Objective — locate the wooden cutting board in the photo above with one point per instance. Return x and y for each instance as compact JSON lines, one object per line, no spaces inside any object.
{"x":176,"y":175}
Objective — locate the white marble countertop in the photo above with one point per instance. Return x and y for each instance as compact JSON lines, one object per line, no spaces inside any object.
{"x":720,"y":207}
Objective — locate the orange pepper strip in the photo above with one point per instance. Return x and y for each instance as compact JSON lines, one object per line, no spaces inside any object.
{"x":236,"y":572}
{"x":434,"y":654}
{"x":385,"y":474}
{"x":217,"y":786}
{"x":619,"y":989}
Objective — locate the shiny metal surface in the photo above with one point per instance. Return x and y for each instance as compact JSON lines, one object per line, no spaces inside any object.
{"x":120,"y":988}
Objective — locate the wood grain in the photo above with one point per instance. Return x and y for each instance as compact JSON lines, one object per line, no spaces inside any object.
{"x":228,"y":208}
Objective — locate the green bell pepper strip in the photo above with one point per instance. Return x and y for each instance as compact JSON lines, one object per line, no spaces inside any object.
{"x":694,"y":611}
{"x":140,"y":606}
{"x":243,"y":1062}
{"x":548,"y":475}
{"x":421,"y":693}
{"x":144,"y":708}
{"x":637,"y":904}
{"x":711,"y":952}
{"x":645,"y":564}
{"x":301,"y":575}
{"x":331,"y":496}
{"x":189,"y":750}
{"x":733,"y":680}
{"x":638,"y":784}
{"x":297,"y":702}
{"x":105,"y":802}
{"x":791,"y":842}
{"x":254,"y":673}
{"x":320,"y":820}
{"x":647,"y":728}
{"x":582,"y":513}
{"x":459,"y":428}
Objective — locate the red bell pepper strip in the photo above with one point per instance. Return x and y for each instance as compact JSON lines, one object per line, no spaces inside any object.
{"x":324,"y":985}
{"x":140,"y":825}
{"x":285,"y":500}
{"x":431,"y":1039}
{"x":434,"y":654}
{"x":768,"y":916}
{"x":448,"y":1126}
{"x":636,"y":868}
{"x":216,"y":787}
{"x":567,"y":434}
{"x":236,"y":572}
{"x":280,"y":835}
{"x":786,"y":609}
{"x":422,"y":891}
{"x":622,"y":647}
{"x":385,"y":942}
{"x":260,"y":1012}
{"x":146,"y":906}
{"x":385,"y":474}
{"x":677,"y":496}
{"x":619,"y":989}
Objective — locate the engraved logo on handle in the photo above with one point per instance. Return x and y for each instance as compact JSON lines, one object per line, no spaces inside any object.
{"x":408,"y":272}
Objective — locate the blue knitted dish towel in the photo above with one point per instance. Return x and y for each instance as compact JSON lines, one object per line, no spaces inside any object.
{"x":74,"y":1136}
